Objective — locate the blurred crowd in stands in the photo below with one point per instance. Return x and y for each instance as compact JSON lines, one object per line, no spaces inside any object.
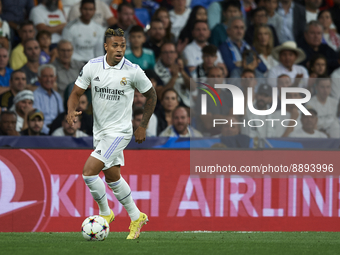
{"x":258,"y":44}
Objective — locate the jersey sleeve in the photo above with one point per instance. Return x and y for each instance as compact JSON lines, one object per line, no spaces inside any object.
{"x":142,"y":82}
{"x":84,"y":77}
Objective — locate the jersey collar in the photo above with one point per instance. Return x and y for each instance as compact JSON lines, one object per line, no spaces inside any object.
{"x":118,"y":66}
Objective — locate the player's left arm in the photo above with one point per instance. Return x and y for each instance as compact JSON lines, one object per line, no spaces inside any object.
{"x":150,"y":104}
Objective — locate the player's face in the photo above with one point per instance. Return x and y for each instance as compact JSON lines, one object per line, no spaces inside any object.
{"x":18,"y":81}
{"x":180,"y":120}
{"x":36,"y":125}
{"x":115,"y":47}
{"x":87,"y":11}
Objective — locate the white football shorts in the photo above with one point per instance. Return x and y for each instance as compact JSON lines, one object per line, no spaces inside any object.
{"x":109,"y":150}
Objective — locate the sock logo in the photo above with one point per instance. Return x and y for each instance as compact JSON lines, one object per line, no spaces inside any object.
{"x":99,"y":152}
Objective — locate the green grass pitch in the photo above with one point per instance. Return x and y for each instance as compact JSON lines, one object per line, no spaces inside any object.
{"x":210,"y":243}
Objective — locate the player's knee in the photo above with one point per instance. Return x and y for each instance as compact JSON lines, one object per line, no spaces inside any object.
{"x":87,"y":172}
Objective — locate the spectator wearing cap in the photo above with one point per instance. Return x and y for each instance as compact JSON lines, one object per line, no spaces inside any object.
{"x":311,"y":43}
{"x":263,"y":101}
{"x":32,"y":52}
{"x":309,"y":124}
{"x":17,"y":84}
{"x":47,"y":16}
{"x":5,"y":71}
{"x":46,"y":98}
{"x":23,"y":104}
{"x":68,"y":130}
{"x":180,"y":125}
{"x":35,"y":123}
{"x":327,"y":108}
{"x":289,"y":55}
{"x":90,"y":44}
{"x":232,"y":49}
{"x":8,"y":121}
{"x":67,"y":68}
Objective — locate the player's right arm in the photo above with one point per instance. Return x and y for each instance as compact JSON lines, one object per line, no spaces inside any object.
{"x":81,"y":84}
{"x":72,"y":104}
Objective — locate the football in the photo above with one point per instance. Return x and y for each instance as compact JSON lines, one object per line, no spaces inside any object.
{"x":95,"y":228}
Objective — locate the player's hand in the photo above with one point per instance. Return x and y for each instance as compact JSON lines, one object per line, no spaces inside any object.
{"x":140,"y":134}
{"x":71,"y":117}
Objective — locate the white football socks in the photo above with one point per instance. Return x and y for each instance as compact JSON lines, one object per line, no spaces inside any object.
{"x":122,"y":192}
{"x":97,"y":188}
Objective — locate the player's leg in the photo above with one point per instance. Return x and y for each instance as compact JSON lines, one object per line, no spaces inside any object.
{"x":91,"y":171}
{"x":121,"y":190}
{"x":94,"y":164}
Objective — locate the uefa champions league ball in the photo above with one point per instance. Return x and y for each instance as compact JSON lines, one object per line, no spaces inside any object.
{"x":95,"y":228}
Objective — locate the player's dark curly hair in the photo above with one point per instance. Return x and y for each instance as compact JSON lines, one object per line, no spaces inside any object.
{"x":113,"y":32}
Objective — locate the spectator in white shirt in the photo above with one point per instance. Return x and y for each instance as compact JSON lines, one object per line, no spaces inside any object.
{"x":86,"y":36}
{"x":312,"y":9}
{"x":330,"y":34}
{"x":47,"y":16}
{"x":178,"y":16}
{"x":308,"y":130}
{"x":335,"y":93}
{"x":180,"y":125}
{"x":288,"y":54}
{"x":193,"y":51}
{"x":327,"y":108}
{"x":68,"y":130}
{"x":103,"y":15}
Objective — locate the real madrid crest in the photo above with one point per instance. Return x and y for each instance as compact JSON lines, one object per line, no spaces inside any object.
{"x":123,"y":82}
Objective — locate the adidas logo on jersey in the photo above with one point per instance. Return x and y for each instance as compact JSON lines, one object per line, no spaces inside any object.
{"x":99,"y":152}
{"x":96,"y":79}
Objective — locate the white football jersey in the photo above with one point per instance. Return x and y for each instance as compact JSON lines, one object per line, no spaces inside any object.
{"x":112,"y":90}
